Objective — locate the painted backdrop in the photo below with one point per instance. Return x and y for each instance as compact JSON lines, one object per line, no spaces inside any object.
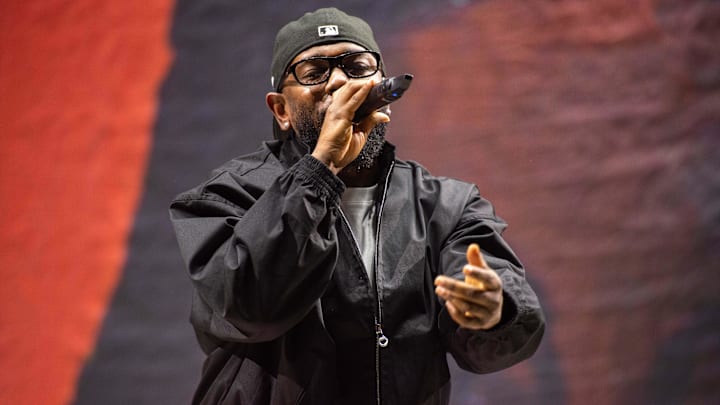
{"x":594,"y":127}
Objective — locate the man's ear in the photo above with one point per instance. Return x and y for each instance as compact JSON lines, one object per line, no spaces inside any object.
{"x":277,"y":104}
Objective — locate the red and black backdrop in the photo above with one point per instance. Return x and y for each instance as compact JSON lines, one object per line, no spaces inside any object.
{"x":593,"y":126}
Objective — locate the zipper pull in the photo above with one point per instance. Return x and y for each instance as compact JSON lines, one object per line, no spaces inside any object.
{"x":382,"y":340}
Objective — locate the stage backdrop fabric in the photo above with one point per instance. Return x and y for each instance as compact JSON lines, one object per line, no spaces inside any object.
{"x":594,"y":127}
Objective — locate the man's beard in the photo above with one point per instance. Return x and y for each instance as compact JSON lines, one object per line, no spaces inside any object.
{"x":308,"y":131}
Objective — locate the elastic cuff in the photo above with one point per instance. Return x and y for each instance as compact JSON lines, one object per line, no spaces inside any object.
{"x":317,"y":173}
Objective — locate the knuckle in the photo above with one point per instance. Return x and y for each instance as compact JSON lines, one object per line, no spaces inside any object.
{"x":449,"y":285}
{"x":476,"y":294}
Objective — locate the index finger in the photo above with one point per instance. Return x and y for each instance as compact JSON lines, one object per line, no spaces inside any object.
{"x":353,"y":93}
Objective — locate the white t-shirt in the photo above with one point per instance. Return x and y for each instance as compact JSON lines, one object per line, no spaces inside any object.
{"x":358,"y":205}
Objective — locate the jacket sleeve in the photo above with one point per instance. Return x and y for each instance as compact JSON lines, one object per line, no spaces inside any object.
{"x":518,"y":334}
{"x":258,"y":261}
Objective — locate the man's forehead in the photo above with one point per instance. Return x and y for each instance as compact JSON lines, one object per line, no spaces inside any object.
{"x":332,"y":49}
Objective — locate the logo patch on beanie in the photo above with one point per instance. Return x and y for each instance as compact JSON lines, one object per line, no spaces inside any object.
{"x":328,"y":31}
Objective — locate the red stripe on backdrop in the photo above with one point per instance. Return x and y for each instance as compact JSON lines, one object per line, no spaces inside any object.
{"x":78,"y":86}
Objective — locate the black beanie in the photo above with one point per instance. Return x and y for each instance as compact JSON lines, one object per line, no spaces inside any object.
{"x":323,"y":26}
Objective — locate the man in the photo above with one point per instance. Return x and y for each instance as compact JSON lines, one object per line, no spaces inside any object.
{"x":326,"y":271}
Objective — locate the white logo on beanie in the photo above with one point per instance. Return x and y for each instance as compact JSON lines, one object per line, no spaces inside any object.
{"x":328,"y":31}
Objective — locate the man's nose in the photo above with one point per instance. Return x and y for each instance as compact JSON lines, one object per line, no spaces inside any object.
{"x":336,"y":80}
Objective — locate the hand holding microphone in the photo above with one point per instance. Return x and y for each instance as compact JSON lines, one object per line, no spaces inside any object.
{"x":339,"y":150}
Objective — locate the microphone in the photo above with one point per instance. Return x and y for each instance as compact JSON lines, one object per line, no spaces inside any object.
{"x":382,"y":94}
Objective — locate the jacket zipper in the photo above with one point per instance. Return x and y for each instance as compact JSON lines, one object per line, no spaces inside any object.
{"x":381,"y":340}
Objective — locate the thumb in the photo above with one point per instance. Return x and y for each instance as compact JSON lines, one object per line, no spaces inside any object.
{"x":475,"y":257}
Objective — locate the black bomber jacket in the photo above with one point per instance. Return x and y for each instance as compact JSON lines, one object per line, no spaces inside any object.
{"x":283,"y":306}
